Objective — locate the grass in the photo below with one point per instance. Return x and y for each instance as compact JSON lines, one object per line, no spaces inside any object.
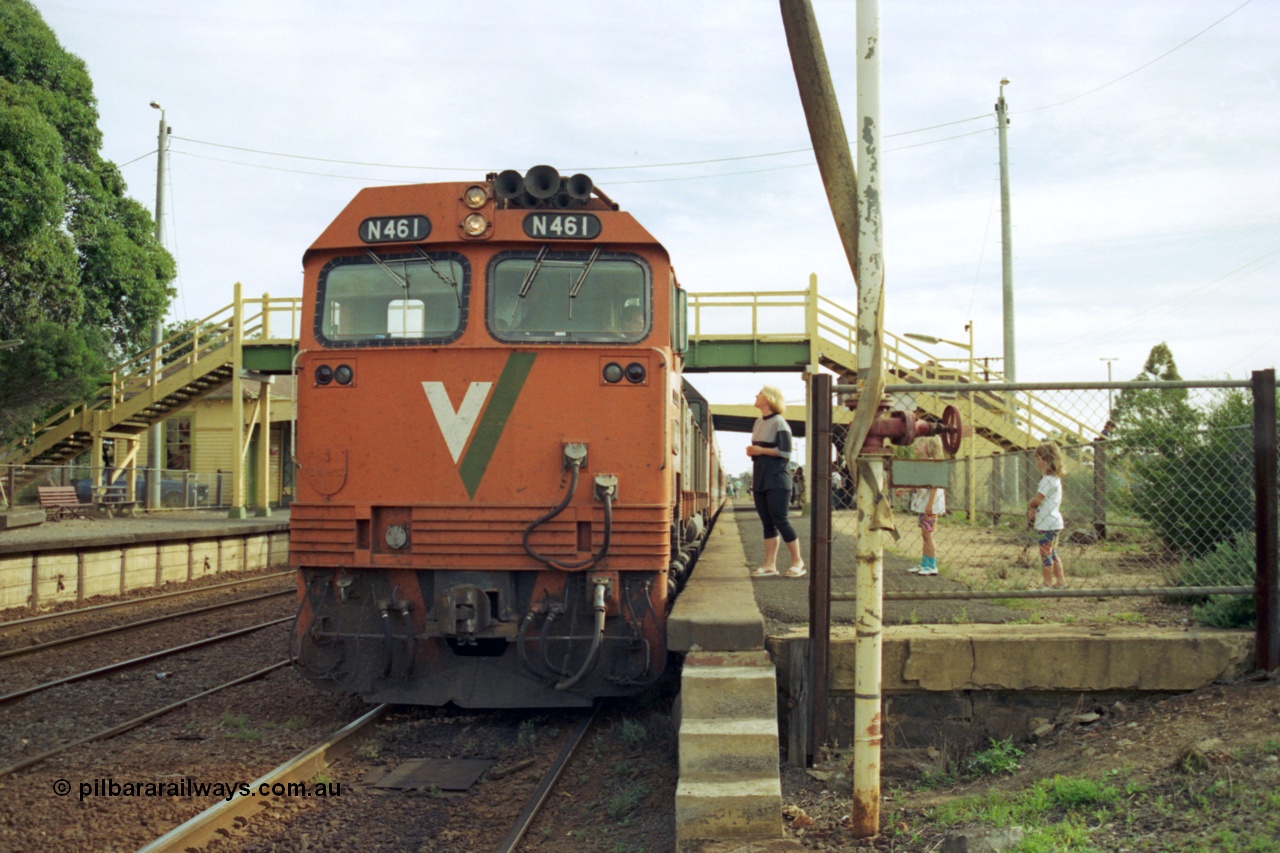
{"x":621,"y":805}
{"x":634,"y":734}
{"x":1002,"y":757}
{"x":236,"y":727}
{"x":1207,"y":807}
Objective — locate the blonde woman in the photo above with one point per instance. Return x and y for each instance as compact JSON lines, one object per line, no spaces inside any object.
{"x":770,"y":453}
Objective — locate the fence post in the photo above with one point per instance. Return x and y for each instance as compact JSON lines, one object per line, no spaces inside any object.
{"x":997,"y":466}
{"x":1100,"y":487}
{"x":1265,"y":523}
{"x":820,"y":556}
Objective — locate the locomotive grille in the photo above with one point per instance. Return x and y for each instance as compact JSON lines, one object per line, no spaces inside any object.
{"x":479,"y":537}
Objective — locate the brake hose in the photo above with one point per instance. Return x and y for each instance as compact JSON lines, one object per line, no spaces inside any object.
{"x":574,"y":465}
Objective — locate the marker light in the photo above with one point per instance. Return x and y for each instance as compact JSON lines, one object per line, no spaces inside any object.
{"x":324,"y":374}
{"x":612,"y":372}
{"x":474,"y":225}
{"x":635,"y":372}
{"x":475,"y":197}
{"x":343,"y":374}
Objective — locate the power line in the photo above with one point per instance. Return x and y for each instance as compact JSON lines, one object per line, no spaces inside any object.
{"x":473,"y":170}
{"x":1140,"y":67}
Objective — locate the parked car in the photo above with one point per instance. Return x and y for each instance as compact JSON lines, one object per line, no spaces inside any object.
{"x":170,"y":490}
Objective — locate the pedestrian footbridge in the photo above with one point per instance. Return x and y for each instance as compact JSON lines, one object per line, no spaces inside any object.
{"x":792,"y":331}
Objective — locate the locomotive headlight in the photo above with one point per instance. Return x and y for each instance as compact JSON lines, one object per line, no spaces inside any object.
{"x":343,"y":374}
{"x":612,"y":372}
{"x":635,"y":372}
{"x":475,"y":224}
{"x":475,"y":197}
{"x":324,"y":374}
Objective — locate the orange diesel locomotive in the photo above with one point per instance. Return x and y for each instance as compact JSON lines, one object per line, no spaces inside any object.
{"x":503,"y":478}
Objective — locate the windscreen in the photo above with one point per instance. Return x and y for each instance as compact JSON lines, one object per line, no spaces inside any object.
{"x":375,"y":300}
{"x":568,"y":297}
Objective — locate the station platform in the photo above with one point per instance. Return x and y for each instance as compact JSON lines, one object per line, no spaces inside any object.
{"x":943,"y":682}
{"x":75,"y":559}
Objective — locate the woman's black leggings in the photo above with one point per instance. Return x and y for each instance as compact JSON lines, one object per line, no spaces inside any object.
{"x":772,"y":508}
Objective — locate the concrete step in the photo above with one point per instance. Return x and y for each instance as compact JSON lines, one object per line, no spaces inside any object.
{"x":734,"y":692}
{"x":728,"y":749}
{"x":750,"y":808}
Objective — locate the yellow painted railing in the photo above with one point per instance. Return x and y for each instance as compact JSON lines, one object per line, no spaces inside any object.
{"x":264,"y":319}
{"x":831,"y":329}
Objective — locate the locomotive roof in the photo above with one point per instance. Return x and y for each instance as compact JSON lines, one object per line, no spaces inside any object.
{"x":441,"y":204}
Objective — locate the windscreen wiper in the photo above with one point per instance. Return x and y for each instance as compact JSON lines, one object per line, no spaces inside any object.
{"x":533,"y":271}
{"x":586,"y":271}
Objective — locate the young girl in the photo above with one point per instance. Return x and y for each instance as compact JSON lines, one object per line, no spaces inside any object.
{"x":1045,"y":509}
{"x":928,"y":504}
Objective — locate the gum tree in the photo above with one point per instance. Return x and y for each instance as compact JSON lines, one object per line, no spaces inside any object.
{"x":82,"y":277}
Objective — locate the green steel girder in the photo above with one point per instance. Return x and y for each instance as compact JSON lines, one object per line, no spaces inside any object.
{"x":746,"y":356}
{"x":274,"y":358}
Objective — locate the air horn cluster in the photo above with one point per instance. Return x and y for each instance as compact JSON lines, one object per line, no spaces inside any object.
{"x":542,"y":186}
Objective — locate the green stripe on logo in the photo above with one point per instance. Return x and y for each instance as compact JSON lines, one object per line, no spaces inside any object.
{"x":494,"y":420}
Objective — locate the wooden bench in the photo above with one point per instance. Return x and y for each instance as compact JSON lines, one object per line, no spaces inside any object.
{"x":60,"y":502}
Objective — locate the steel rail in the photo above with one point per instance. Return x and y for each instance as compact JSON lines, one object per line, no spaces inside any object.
{"x":102,"y":670}
{"x":24,"y":650}
{"x":206,"y":826}
{"x":539,"y":796}
{"x":28,"y":620}
{"x":137,"y":721}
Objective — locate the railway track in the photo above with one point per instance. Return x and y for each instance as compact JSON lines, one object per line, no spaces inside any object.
{"x":141,"y":623}
{"x":59,"y":710}
{"x":229,"y":819}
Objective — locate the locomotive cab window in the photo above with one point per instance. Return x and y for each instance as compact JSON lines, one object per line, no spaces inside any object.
{"x":569,"y":297}
{"x":392,"y":300}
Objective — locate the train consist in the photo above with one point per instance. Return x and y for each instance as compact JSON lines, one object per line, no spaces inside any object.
{"x":503,"y":478}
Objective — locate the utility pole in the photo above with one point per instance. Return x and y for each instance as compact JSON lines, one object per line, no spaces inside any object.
{"x":1110,"y":404}
{"x":1006,"y":236}
{"x":155,"y":432}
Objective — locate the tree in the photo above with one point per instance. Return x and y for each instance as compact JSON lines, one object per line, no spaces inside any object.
{"x":1189,"y":471}
{"x":82,"y":277}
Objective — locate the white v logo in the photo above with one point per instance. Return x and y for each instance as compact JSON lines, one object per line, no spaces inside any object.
{"x":456,"y":426}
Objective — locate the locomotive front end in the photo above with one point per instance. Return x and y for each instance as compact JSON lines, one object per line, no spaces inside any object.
{"x":489,"y":447}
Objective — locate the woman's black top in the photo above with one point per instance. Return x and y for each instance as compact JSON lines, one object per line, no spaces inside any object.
{"x":770,"y":472}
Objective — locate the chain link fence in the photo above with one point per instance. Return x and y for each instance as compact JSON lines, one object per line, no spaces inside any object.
{"x":179,"y":489}
{"x":1157,"y":493}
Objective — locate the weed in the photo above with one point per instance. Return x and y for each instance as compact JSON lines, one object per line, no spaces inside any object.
{"x":961,"y":617}
{"x":297,"y":723}
{"x":526,"y":735}
{"x":620,"y":806}
{"x":1001,"y":757}
{"x":371,"y":748}
{"x":1128,"y":616}
{"x":633,"y":733}
{"x":237,"y":726}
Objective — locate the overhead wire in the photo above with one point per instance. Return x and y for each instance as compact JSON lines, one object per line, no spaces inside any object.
{"x":1141,"y":67}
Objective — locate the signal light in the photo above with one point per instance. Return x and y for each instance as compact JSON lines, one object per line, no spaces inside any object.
{"x":613,"y":372}
{"x":343,"y":375}
{"x":635,"y":372}
{"x":324,"y":374}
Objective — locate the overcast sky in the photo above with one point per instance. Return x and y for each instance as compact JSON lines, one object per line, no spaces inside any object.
{"x":1143,"y":150}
